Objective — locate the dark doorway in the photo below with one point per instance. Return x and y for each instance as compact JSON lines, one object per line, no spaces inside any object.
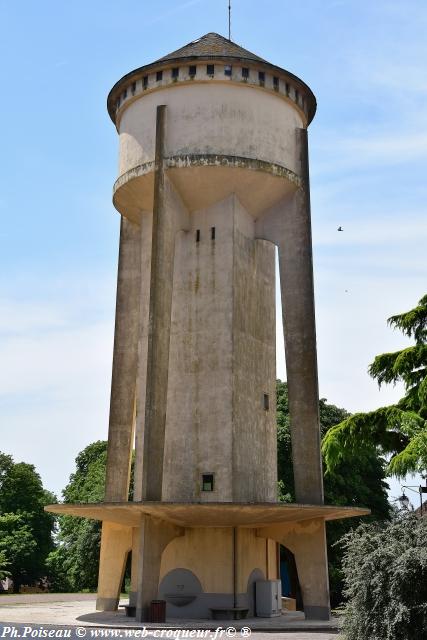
{"x":289,"y":577}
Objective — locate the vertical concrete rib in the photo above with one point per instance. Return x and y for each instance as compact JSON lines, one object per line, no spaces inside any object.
{"x":155,"y":535}
{"x":296,"y":278}
{"x":159,"y":324}
{"x":123,"y":383}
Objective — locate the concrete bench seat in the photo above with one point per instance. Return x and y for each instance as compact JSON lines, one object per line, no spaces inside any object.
{"x":130,"y":610}
{"x":228,"y":613}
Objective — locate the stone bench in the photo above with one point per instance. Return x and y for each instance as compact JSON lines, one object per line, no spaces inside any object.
{"x":228,"y":613}
{"x":130,"y":610}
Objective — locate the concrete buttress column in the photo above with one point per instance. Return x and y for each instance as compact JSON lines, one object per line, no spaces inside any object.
{"x":114,"y":540}
{"x":296,"y":281}
{"x":288,"y":225}
{"x":159,"y":324}
{"x":307,"y":541}
{"x":123,"y":382}
{"x":134,"y":566}
{"x":116,"y":543}
{"x":312,"y":566}
{"x":155,"y":535}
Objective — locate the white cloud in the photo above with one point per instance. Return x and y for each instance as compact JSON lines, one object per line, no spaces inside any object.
{"x":22,"y":316}
{"x":56,"y":357}
{"x":392,"y":148}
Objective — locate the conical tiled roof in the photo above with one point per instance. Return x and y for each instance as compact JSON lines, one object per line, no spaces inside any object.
{"x":211,"y":45}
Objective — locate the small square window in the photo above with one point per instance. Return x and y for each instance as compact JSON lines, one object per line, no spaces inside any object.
{"x":296,"y":96}
{"x":212,"y":233}
{"x":287,"y":88}
{"x":125,"y":94}
{"x":210,"y":69}
{"x":159,"y":76}
{"x":198,"y":235}
{"x":192,"y":70}
{"x":261,"y":77}
{"x":208,"y":482}
{"x":245,"y":72}
{"x":228,"y":70}
{"x":133,"y":87}
{"x":276,"y":83}
{"x":266,"y":402}
{"x":175,"y":73}
{"x":145,"y":82}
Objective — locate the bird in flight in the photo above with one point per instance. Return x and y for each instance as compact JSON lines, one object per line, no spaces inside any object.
{"x":340,"y":229}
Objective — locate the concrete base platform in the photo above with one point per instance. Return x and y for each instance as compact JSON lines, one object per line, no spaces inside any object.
{"x":83,"y":613}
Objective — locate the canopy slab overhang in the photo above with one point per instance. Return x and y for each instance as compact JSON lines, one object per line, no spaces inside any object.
{"x":207,"y":514}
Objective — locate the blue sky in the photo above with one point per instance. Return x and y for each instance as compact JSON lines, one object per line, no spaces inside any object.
{"x":365,"y":61}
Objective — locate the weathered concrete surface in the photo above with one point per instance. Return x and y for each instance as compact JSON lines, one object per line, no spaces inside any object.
{"x":141,"y":387}
{"x":289,"y":226}
{"x":211,"y":118}
{"x":198,"y":430}
{"x":155,"y":535}
{"x":254,"y":365}
{"x":205,"y":179}
{"x":177,"y":213}
{"x":116,"y":543}
{"x":222,"y":361}
{"x":135,"y":559}
{"x":123,"y":383}
{"x":189,"y":552}
{"x":208,"y":514}
{"x":122,"y":410}
{"x":307,"y":541}
{"x":159,"y":319}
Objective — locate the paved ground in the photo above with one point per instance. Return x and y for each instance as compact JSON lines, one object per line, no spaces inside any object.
{"x":76,"y":612}
{"x":26,"y":631}
{"x":31,"y":598}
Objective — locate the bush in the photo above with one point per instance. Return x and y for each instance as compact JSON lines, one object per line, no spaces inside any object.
{"x":385,"y":570}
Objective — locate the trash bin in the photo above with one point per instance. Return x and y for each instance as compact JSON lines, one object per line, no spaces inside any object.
{"x":158,"y":611}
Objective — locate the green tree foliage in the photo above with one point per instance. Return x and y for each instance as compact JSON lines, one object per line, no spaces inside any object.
{"x":359,"y":481}
{"x":4,"y":565}
{"x":6,"y":464}
{"x":25,"y":528}
{"x":87,"y":483}
{"x":18,"y":545}
{"x":385,"y":568}
{"x":56,"y":564}
{"x":74,"y":564}
{"x":399,"y":430}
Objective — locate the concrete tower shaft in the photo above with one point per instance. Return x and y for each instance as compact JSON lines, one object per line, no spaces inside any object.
{"x":230,"y":156}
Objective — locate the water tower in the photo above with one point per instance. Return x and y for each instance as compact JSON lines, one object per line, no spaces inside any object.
{"x":213,"y":177}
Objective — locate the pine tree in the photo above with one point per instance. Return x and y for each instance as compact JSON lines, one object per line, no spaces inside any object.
{"x":399,"y":430}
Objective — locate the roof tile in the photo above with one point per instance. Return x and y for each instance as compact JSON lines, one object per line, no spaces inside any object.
{"x":211,"y":45}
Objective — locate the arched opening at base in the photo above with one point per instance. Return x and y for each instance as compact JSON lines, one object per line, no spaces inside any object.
{"x":289,"y":577}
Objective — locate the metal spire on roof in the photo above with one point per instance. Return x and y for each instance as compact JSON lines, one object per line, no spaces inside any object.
{"x":229,"y":20}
